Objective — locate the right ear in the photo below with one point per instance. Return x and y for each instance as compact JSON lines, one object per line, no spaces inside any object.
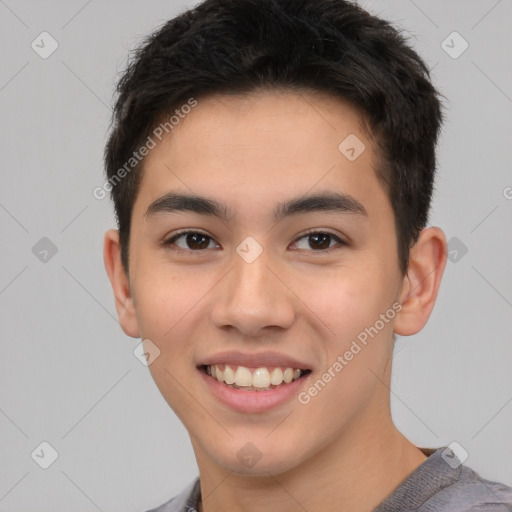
{"x":120,"y":284}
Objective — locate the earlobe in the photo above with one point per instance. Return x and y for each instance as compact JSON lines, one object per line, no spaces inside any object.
{"x":427,"y":261}
{"x":120,"y":284}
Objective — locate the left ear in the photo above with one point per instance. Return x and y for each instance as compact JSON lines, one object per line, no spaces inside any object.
{"x":427,"y":260}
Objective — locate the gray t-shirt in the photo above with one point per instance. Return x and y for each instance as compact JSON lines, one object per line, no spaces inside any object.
{"x":440,"y":483}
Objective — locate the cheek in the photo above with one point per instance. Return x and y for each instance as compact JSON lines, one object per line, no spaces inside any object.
{"x":357,"y":349}
{"x":359,"y":340}
{"x":165,"y":311}
{"x":162,"y":304}
{"x":157,"y":307}
{"x":347,"y":300}
{"x":170,"y":303}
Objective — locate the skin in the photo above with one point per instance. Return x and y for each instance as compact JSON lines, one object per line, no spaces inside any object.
{"x":340,"y":451}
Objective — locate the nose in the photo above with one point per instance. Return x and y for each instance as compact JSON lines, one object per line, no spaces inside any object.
{"x":254,"y":297}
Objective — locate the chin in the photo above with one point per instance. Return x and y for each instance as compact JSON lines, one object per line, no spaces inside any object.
{"x":258,"y":458}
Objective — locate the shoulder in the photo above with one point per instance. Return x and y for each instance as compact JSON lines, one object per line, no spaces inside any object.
{"x":470,"y":492}
{"x":185,"y":501}
{"x":443,"y":483}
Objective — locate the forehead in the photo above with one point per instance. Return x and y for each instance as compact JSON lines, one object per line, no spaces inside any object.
{"x":247,"y":150}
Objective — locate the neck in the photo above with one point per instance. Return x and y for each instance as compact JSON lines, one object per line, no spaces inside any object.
{"x":354,"y":473}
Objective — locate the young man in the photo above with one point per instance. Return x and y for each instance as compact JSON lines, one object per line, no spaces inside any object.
{"x":271,"y":164}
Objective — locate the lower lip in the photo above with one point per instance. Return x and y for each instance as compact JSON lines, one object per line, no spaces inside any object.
{"x":253,"y":401}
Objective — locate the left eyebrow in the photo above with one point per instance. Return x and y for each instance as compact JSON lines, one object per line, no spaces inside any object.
{"x":322,"y":202}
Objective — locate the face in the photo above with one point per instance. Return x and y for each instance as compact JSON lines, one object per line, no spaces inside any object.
{"x":289,"y":263}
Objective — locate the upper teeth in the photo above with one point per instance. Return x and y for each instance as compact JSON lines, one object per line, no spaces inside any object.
{"x":247,"y":377}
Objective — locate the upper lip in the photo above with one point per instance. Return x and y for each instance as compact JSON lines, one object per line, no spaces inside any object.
{"x":254,"y":360}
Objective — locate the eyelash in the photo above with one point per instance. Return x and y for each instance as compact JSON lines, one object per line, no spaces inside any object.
{"x":171,"y":241}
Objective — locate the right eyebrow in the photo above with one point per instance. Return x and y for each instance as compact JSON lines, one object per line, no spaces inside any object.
{"x":174,"y":202}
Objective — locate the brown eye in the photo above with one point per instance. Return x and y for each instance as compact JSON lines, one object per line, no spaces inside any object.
{"x":318,"y":241}
{"x":190,"y":240}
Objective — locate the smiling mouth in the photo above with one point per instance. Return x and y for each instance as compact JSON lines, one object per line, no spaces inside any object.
{"x":253,"y":379}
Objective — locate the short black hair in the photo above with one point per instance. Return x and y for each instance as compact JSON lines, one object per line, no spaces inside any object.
{"x":241,"y":46}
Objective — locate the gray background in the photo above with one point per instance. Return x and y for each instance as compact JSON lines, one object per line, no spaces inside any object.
{"x":68,"y":375}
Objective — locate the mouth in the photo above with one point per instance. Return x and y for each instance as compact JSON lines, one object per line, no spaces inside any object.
{"x":252,"y":383}
{"x":247,"y":378}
